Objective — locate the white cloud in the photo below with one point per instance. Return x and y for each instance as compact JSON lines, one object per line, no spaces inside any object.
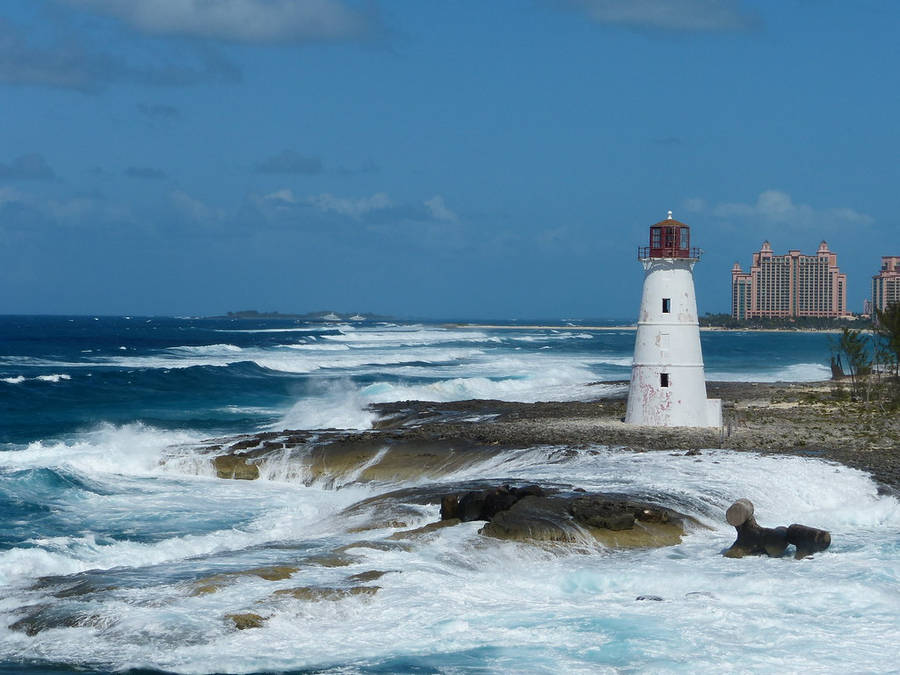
{"x":10,"y":195}
{"x":284,"y":196}
{"x":347,"y":206}
{"x":196,"y":210}
{"x":439,"y":210}
{"x":76,"y":210}
{"x":694,"y":204}
{"x":676,"y":15}
{"x":374,"y":209}
{"x":777,"y":208}
{"x":239,"y":20}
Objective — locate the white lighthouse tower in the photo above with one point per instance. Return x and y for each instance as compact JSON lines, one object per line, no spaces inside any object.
{"x":668,"y":386}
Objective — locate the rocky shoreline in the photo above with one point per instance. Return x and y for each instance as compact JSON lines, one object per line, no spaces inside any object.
{"x":809,"y":419}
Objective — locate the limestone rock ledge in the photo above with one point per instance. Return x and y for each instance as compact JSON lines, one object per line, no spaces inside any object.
{"x":532,"y":514}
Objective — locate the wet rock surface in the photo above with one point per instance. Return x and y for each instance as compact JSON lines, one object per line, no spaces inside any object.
{"x":326,"y":593}
{"x":216,"y":582}
{"x":417,"y":439}
{"x":533,"y":513}
{"x":246,"y":620}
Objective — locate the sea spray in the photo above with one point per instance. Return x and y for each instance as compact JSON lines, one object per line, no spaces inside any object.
{"x":120,"y":549}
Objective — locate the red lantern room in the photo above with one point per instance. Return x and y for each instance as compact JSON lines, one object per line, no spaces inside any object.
{"x":669,"y":238}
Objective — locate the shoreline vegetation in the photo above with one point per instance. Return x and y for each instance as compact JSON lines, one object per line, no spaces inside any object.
{"x":418,"y":439}
{"x":630,"y":327}
{"x":708,"y":322}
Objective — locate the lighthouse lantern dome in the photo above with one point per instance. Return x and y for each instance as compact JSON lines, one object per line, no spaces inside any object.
{"x":669,"y":238}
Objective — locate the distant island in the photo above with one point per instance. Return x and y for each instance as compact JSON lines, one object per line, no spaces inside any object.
{"x":308,"y":316}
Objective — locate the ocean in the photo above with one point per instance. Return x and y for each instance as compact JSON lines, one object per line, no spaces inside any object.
{"x":120,"y":549}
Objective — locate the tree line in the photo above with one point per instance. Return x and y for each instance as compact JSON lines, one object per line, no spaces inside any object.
{"x":783,"y":322}
{"x":870,"y":358}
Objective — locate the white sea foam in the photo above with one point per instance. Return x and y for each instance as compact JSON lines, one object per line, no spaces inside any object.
{"x":337,"y":405}
{"x":455,"y":601}
{"x":279,"y":517}
{"x":550,"y":336}
{"x":344,"y":405}
{"x":319,"y":347}
{"x":409,"y":336}
{"x":213,"y":350}
{"x":132,"y":449}
{"x":54,"y":378}
{"x":293,"y":362}
{"x":798,"y":372}
{"x":305,"y":329}
{"x":247,"y":410}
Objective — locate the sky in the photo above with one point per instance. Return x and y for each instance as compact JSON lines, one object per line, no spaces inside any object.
{"x":477,"y":159}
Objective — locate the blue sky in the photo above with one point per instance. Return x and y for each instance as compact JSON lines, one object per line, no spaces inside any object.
{"x":479,"y":159}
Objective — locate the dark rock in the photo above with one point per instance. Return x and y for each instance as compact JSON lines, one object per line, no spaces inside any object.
{"x":215,"y":583}
{"x":485,"y":504}
{"x":531,"y":490}
{"x":471,"y":506}
{"x":752,"y":539}
{"x":327,"y":593}
{"x":774,"y":541}
{"x":498,"y":500}
{"x":449,"y":507}
{"x":424,"y":530}
{"x":364,"y":577}
{"x":46,"y":617}
{"x":655,"y":598}
{"x":808,"y":540}
{"x":245,"y":621}
{"x":601,"y":513}
{"x":533,"y":518}
{"x":531,"y":513}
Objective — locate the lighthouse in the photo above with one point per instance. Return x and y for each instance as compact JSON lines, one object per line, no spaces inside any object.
{"x":668,"y":385}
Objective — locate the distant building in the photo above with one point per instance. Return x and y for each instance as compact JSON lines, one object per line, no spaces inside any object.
{"x":789,"y":285}
{"x":886,"y":284}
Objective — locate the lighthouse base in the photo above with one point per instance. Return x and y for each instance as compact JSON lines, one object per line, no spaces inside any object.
{"x":684,"y":404}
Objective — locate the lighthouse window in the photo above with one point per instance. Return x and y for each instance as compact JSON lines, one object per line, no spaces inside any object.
{"x":667,"y":305}
{"x":655,"y":237}
{"x":663,"y":379}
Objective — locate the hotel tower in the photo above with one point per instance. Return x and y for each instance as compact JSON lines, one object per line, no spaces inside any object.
{"x":886,"y":284}
{"x":789,"y":285}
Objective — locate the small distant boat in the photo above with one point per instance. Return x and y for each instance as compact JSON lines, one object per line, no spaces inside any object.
{"x":331,"y":316}
{"x":357,"y":317}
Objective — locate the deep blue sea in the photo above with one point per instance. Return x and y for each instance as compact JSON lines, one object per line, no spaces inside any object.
{"x":112,"y":514}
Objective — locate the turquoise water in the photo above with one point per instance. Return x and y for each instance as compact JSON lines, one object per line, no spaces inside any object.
{"x":112,"y":515}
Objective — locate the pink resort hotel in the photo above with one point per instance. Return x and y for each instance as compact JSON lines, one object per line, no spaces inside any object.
{"x":886,"y":284}
{"x":789,"y":285}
